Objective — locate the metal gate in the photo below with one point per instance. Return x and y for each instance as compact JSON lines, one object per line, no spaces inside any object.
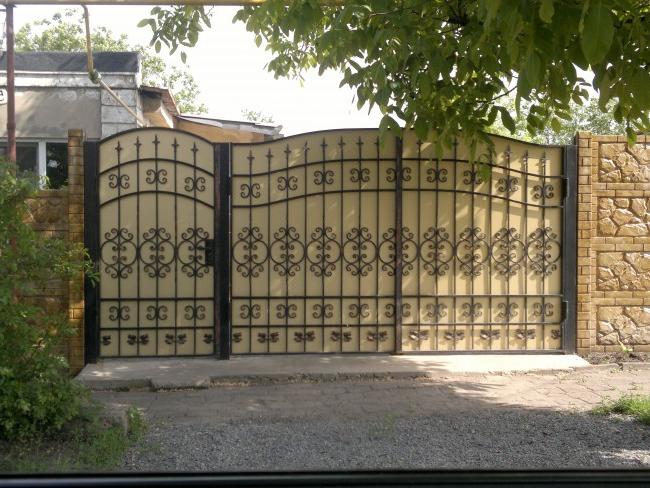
{"x":477,"y":264}
{"x":150,"y":226}
{"x":327,"y":242}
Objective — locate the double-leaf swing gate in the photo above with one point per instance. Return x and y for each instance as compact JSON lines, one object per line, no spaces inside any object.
{"x":290,"y":246}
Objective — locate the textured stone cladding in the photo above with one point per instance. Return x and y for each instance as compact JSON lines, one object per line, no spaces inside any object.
{"x":623,"y":217}
{"x":622,"y":271}
{"x":627,"y":325}
{"x":620,"y":164}
{"x":613,"y":272}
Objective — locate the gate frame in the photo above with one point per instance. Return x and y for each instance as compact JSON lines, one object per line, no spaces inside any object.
{"x":222,"y":160}
{"x":221,"y":299}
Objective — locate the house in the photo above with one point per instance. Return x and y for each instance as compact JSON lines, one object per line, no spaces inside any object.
{"x":54,"y":94}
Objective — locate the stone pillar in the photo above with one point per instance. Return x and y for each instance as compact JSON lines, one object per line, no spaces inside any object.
{"x":76,"y":235}
{"x":614,"y":243}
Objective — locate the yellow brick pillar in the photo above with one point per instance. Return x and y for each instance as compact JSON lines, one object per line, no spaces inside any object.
{"x":76,"y":234}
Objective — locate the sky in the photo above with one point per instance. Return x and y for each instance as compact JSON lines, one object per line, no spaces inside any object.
{"x":231,"y":74}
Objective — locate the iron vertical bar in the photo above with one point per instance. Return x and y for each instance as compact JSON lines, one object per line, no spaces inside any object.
{"x":569,"y":246}
{"x":222,"y":255}
{"x":398,"y":244}
{"x":91,"y":242}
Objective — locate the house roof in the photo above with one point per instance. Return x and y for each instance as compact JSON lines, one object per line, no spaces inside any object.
{"x":271,"y":130}
{"x":166,"y":97}
{"x":57,"y":62}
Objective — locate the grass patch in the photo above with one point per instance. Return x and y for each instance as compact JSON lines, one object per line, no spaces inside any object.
{"x":88,"y":443}
{"x":638,"y":406}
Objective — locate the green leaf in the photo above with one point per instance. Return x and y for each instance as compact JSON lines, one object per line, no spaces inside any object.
{"x":183,"y":57}
{"x":145,"y":22}
{"x":597,"y":34}
{"x":546,"y":11}
{"x":507,"y":120}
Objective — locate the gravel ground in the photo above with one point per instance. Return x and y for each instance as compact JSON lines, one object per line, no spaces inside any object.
{"x":496,"y":439}
{"x":482,"y":421}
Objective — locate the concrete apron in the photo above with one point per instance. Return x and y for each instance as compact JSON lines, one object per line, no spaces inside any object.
{"x":177,"y":373}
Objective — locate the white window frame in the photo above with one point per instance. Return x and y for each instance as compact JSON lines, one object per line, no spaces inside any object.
{"x":42,"y":152}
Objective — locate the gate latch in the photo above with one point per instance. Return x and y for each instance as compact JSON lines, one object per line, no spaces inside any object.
{"x":209,"y":252}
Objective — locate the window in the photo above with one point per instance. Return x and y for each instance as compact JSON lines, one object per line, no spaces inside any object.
{"x":45,"y":158}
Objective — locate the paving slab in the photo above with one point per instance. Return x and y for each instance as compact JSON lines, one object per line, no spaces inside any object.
{"x":177,"y":373}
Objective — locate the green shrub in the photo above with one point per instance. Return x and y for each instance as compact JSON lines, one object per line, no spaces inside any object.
{"x":36,"y":392}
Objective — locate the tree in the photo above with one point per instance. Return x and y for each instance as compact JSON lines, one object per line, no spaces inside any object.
{"x":257,"y":116}
{"x":447,"y":65}
{"x":63,"y":33}
{"x":586,"y":117}
{"x":38,"y":394}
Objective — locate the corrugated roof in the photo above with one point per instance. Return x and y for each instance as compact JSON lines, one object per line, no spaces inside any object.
{"x":55,"y":61}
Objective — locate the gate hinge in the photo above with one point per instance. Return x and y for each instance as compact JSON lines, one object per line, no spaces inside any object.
{"x":565,"y":187}
{"x":565,"y":310}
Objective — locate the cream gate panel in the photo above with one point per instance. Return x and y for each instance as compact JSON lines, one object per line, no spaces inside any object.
{"x":313,"y":246}
{"x":156,"y":215}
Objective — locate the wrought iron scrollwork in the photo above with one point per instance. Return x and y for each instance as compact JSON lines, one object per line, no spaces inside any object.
{"x":250,"y":191}
{"x":309,"y":336}
{"x":436,"y":251}
{"x":191,"y":252}
{"x":455,"y":336}
{"x":249,"y":252}
{"x":419,"y":335}
{"x":381,"y":336}
{"x":156,"y":176}
{"x":472,"y":311}
{"x":194,"y":312}
{"x":359,"y":175}
{"x":507,"y":311}
{"x":435,"y":311}
{"x":543,"y":251}
{"x":543,"y":191}
{"x":391,"y":174}
{"x":337,"y":336}
{"x":121,"y":181}
{"x":287,"y":251}
{"x":472,"y":251}
{"x":175,"y":339}
{"x":556,"y":334}
{"x":237,"y":337}
{"x":490,"y":335}
{"x":439,"y":175}
{"x":118,"y":313}
{"x":359,"y":251}
{"x":359,"y":310}
{"x":157,"y":252}
{"x":263,"y":337}
{"x":286,"y":311}
{"x":106,"y":340}
{"x":250,"y":311}
{"x":524,"y":334}
{"x":133,"y":339}
{"x":287,"y":183}
{"x":508,"y":251}
{"x":389,"y":310}
{"x":323,"y":177}
{"x":123,"y":252}
{"x":325,"y":310}
{"x":472,"y":177}
{"x":208,"y":338}
{"x":323,"y":251}
{"x":508,"y":184}
{"x":386,"y":251}
{"x":157,"y":312}
{"x":195,"y":184}
{"x":542,"y":310}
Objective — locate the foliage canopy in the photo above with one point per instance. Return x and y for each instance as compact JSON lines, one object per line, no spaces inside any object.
{"x":62,"y":32}
{"x":447,"y":65}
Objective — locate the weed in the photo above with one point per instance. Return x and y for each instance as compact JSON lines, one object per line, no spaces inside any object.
{"x":637,"y":406}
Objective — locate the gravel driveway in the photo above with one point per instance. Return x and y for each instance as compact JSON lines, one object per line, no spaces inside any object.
{"x":486,"y":421}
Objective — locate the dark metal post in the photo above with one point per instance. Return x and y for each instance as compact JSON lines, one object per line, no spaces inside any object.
{"x":91,"y":242}
{"x":222,"y":244}
{"x":570,"y":256}
{"x":398,"y":245}
{"x":11,"y":86}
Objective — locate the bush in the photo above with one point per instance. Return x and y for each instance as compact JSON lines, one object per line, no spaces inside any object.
{"x":36,"y":393}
